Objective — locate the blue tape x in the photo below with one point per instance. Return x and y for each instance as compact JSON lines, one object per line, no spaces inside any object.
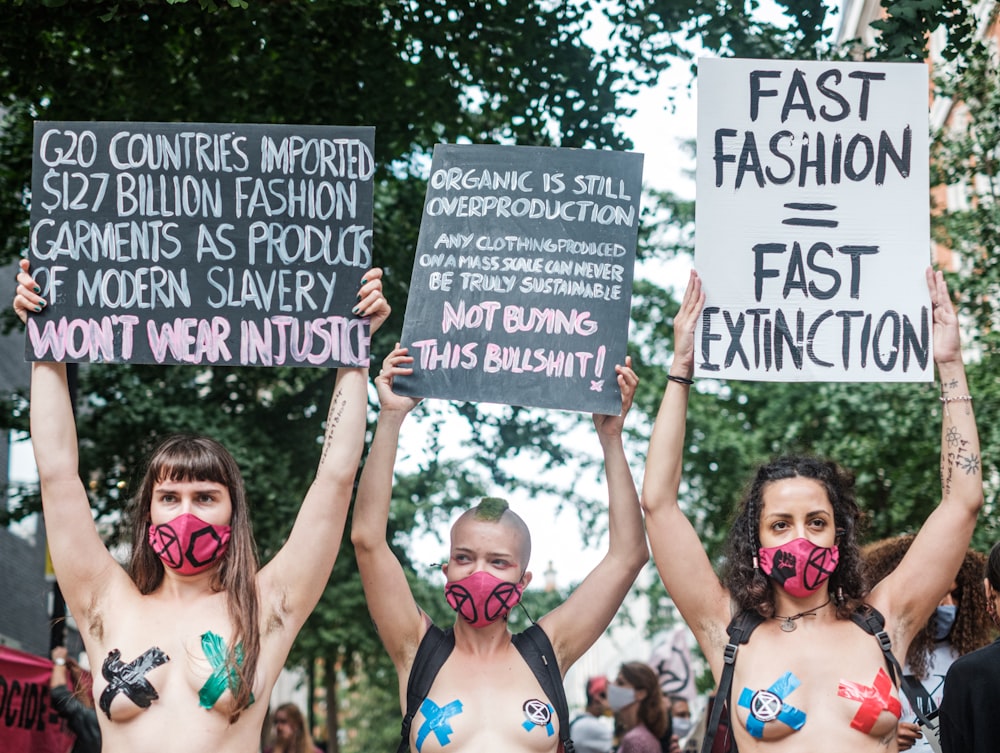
{"x":539,"y":714}
{"x":436,"y":721}
{"x":769,"y":705}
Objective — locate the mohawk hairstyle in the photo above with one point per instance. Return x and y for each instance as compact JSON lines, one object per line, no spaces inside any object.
{"x":490,"y":508}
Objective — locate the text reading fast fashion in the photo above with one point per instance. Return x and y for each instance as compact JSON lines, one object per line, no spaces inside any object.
{"x":200,"y":243}
{"x":522,"y":279}
{"x":812,"y":221}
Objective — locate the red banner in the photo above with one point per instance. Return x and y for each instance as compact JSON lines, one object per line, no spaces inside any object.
{"x":28,"y":723}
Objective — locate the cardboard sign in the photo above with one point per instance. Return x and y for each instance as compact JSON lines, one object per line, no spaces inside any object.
{"x":522,"y":282}
{"x":27,"y":720}
{"x":200,"y":243}
{"x":813,"y":228}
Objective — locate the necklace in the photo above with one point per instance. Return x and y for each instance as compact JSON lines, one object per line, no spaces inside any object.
{"x":788,"y":623}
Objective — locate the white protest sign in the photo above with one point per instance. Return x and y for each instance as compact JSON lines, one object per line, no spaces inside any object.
{"x":813,"y":228}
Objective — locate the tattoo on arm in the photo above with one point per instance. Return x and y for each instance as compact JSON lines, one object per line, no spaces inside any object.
{"x":337,"y":407}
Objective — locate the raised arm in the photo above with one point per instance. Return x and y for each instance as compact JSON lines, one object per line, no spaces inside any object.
{"x":399,"y":621}
{"x":295,"y":578}
{"x":82,"y":563}
{"x":677,"y":551}
{"x":909,"y":594}
{"x":577,"y":623}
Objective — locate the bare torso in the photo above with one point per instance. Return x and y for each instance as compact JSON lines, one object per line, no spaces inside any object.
{"x":825,"y":691}
{"x":485,"y":702}
{"x":168,"y":649}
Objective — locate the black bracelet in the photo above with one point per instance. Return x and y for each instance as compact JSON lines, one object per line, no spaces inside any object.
{"x":680,"y":380}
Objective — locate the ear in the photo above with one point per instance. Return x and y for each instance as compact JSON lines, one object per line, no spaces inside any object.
{"x":444,"y":569}
{"x":525,"y":579}
{"x":640,"y":694}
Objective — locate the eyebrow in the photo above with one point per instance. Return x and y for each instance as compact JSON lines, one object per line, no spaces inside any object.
{"x":470,"y":550}
{"x":168,"y":489}
{"x":788,"y":515}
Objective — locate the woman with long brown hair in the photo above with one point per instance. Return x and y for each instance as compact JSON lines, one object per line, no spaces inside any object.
{"x":637,"y":701}
{"x":291,"y":734}
{"x":191,"y":639}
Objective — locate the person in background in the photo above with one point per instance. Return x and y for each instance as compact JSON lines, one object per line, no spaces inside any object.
{"x":290,"y":733}
{"x":75,"y":706}
{"x":958,"y":626}
{"x":680,"y":716}
{"x":592,"y":731}
{"x":639,"y":709}
{"x":969,"y":718}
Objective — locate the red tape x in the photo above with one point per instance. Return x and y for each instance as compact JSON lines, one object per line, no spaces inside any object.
{"x":873,"y":700}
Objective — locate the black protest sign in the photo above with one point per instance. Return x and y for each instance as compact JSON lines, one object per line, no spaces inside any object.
{"x":813,"y":229}
{"x":522,"y":280}
{"x":199,"y":243}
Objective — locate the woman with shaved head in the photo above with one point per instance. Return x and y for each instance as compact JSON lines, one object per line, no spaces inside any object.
{"x":485,"y":696}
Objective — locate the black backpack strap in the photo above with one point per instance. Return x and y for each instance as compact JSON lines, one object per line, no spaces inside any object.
{"x":739,"y":631}
{"x":869,"y":619}
{"x":433,"y":651}
{"x":536,"y":650}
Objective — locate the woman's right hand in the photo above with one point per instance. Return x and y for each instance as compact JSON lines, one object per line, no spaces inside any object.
{"x":685,"y":322}
{"x":395,"y":363}
{"x":26,"y":295}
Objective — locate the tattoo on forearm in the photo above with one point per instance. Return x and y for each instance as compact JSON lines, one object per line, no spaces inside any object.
{"x":959,"y":457}
{"x":337,"y":407}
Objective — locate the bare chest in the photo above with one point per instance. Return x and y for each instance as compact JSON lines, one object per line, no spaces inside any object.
{"x":819,"y":688}
{"x":476,"y":705}
{"x":153,"y":657}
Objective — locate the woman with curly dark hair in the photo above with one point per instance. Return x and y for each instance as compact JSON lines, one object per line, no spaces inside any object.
{"x":958,"y":626}
{"x":809,"y":678}
{"x":637,"y":701}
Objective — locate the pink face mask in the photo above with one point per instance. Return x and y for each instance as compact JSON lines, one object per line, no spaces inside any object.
{"x":800,"y":567}
{"x":482,"y":598}
{"x":188,"y":544}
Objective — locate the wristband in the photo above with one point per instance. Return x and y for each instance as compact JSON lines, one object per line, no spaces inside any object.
{"x":60,"y":662}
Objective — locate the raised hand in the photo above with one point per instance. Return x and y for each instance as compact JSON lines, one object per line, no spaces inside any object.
{"x":627,"y":382}
{"x":371,"y":300}
{"x":947,"y":340}
{"x":26,"y":296}
{"x":397,"y":362}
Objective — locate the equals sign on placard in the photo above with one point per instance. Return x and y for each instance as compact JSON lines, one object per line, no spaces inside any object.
{"x":809,"y":221}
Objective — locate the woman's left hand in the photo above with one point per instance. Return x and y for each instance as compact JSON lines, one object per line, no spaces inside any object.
{"x":371,"y":301}
{"x":627,"y":382}
{"x":947,"y":339}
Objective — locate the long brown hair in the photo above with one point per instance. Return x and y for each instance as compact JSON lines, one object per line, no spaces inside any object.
{"x":189,"y":457}
{"x":972,"y":629}
{"x":301,"y":741}
{"x":651,"y":709}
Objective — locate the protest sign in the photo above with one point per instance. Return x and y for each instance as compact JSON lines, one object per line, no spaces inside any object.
{"x":813,"y":221}
{"x":200,"y":243}
{"x":522,"y":281}
{"x":27,"y":720}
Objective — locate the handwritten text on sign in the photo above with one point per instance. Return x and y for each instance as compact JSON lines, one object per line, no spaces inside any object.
{"x":522,"y":281}
{"x":812,"y":221}
{"x":200,"y":243}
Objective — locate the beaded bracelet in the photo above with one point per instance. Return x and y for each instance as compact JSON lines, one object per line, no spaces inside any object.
{"x":680,"y":380}
{"x":956,"y":398}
